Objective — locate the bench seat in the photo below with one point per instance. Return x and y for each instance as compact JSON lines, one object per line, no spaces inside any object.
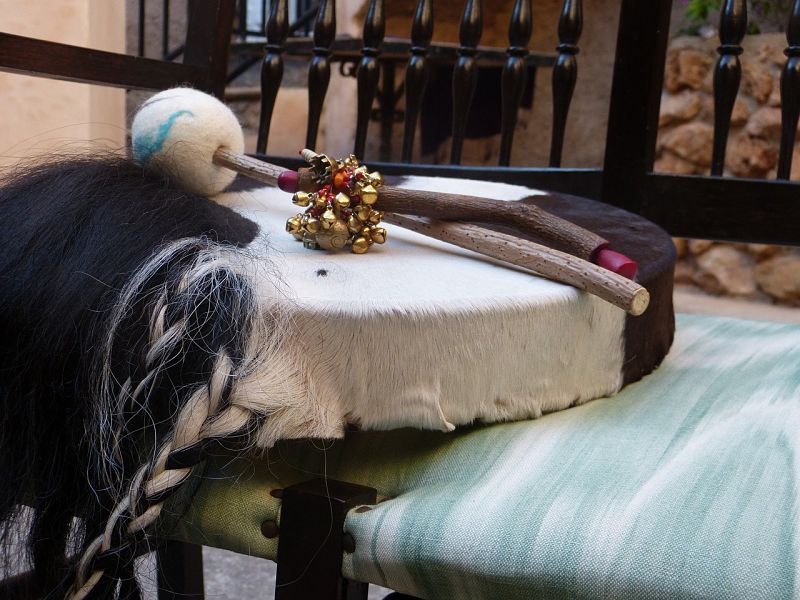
{"x":684,"y":485}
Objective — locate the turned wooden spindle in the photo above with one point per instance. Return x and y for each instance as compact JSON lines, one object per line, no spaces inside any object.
{"x":368,"y":71}
{"x":417,"y":72}
{"x":465,"y":74}
{"x":272,"y":67}
{"x":514,"y":75}
{"x":727,"y":76}
{"x":790,"y":93}
{"x":565,"y":73}
{"x":319,"y":69}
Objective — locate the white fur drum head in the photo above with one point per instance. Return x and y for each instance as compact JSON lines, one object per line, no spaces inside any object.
{"x":424,"y":334}
{"x":177,"y":131}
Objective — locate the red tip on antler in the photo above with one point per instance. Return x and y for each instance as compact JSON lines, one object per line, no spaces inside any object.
{"x":287,"y":181}
{"x":616,"y":262}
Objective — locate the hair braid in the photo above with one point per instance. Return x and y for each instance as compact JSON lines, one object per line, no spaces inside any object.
{"x":203,"y":314}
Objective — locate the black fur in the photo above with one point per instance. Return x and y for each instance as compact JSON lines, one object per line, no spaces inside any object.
{"x":73,"y":232}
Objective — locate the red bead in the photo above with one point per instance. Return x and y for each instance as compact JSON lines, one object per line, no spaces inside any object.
{"x":339,"y":180}
{"x":287,"y":181}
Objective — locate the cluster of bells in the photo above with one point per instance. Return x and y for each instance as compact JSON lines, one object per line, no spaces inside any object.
{"x":341,"y":211}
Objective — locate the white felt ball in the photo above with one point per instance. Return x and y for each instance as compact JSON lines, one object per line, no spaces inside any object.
{"x":177,"y":131}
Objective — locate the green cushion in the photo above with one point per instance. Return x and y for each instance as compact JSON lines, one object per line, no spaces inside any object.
{"x":681,"y":486}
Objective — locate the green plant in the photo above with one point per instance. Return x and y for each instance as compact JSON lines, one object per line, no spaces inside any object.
{"x":697,"y":11}
{"x":764,"y":15}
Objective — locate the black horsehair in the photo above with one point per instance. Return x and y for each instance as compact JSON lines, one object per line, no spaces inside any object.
{"x":126,"y":325}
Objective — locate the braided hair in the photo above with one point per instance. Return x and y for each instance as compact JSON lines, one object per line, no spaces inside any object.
{"x":131,"y":341}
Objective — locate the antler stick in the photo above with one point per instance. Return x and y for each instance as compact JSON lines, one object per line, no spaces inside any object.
{"x":553,"y":264}
{"x":526,"y":218}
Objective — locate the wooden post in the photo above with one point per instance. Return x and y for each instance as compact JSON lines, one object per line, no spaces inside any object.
{"x":180,"y":571}
{"x":312,"y":540}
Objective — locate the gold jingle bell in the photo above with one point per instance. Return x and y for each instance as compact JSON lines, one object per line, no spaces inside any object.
{"x":369,"y":195}
{"x":378,"y":235}
{"x":303,"y":199}
{"x":312,"y":225}
{"x":360,"y":245}
{"x":340,"y":212}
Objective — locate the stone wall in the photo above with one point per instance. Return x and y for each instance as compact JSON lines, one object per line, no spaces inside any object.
{"x":684,"y":146}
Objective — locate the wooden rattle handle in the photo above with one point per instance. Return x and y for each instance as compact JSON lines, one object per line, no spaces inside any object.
{"x":553,"y":264}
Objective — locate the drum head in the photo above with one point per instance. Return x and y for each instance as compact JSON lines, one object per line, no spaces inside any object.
{"x":420,"y":333}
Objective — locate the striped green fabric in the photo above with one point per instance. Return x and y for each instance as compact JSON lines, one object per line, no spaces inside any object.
{"x":684,"y":485}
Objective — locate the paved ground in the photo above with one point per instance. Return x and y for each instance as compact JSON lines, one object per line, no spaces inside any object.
{"x":230,"y":576}
{"x":690,"y":300}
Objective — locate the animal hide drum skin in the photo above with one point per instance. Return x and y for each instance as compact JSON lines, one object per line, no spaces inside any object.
{"x":141,"y":324}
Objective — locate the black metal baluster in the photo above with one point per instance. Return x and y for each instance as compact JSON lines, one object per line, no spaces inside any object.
{"x":272,"y":68}
{"x":790,"y":93}
{"x":513,"y":82}
{"x":727,"y":75}
{"x":368,"y":71}
{"x":465,"y":74}
{"x":319,"y":70}
{"x":417,"y":72}
{"x":565,"y":73}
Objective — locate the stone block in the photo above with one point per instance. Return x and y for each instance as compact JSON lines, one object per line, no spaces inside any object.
{"x":725,"y":270}
{"x":765,"y":123}
{"x":750,"y":156}
{"x":779,"y":277}
{"x":690,"y":141}
{"x":679,"y":108}
{"x":686,"y":68}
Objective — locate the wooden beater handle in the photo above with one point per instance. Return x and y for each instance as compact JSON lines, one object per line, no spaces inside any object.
{"x":251,"y":167}
{"x":559,"y":266}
